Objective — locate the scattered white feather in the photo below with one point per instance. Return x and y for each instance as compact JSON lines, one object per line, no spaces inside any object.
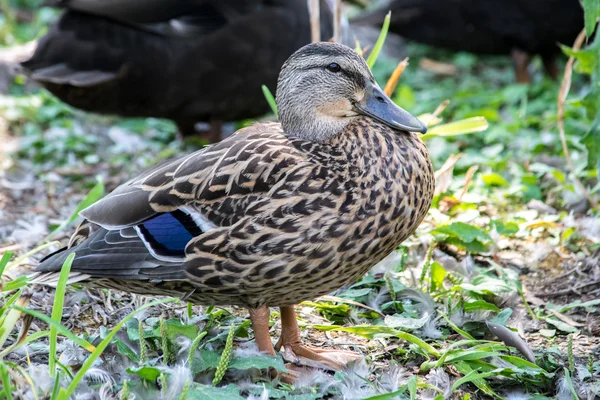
{"x":391,"y":380}
{"x":98,"y":375}
{"x":263,"y":396}
{"x":431,"y":330}
{"x":247,"y":349}
{"x":389,"y":263}
{"x":316,"y":378}
{"x":177,"y":378}
{"x":440,"y":379}
{"x":458,"y":317}
{"x":516,"y":396}
{"x":183,"y":343}
{"x":563,"y":389}
{"x":30,"y":231}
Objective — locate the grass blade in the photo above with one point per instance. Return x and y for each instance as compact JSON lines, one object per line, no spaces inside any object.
{"x":270,"y":99}
{"x":66,"y":393}
{"x":4,"y":262}
{"x":372,"y":59}
{"x":462,"y":127}
{"x":61,"y":329}
{"x":5,"y":378}
{"x":8,"y":322}
{"x":28,"y":339}
{"x":93,"y":195}
{"x":32,"y":252}
{"x":57,"y":309}
{"x":391,"y":84}
{"x":370,"y":331}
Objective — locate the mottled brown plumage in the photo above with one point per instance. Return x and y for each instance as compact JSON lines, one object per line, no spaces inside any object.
{"x":276,"y":214}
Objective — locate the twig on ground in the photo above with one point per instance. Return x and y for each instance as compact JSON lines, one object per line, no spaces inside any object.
{"x":569,"y":290}
{"x":315,"y":20}
{"x":565,"y":86}
{"x":337,"y":21}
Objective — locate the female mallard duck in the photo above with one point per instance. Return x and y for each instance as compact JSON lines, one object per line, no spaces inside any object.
{"x":516,"y":27}
{"x":187,"y":61}
{"x":274,"y":214}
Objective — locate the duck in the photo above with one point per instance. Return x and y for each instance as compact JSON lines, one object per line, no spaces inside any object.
{"x":187,"y":61}
{"x":275,"y":214}
{"x":521,"y":29}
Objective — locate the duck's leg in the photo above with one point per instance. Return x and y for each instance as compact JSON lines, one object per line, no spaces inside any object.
{"x":550,"y":65}
{"x":260,"y":325}
{"x":300,"y":355}
{"x":521,"y":62}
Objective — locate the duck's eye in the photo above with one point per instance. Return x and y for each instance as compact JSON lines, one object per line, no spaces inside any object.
{"x":334,"y":67}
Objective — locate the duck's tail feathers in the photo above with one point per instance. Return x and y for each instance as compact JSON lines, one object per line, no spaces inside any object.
{"x":51,"y":278}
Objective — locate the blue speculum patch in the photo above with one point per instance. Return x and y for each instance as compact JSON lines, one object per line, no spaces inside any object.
{"x":169,"y":233}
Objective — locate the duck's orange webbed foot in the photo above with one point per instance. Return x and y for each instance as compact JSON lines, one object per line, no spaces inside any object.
{"x":299,"y":355}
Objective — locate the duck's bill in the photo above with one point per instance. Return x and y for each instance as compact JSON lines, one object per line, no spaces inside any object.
{"x":378,"y":105}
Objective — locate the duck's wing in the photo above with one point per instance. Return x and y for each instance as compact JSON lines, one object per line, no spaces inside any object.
{"x":168,"y":17}
{"x":77,"y":51}
{"x":141,"y":230}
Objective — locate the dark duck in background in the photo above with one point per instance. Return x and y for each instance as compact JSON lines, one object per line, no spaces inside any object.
{"x":188,"y":61}
{"x":521,"y":28}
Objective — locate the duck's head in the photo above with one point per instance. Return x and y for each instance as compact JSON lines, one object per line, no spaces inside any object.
{"x":323,"y":86}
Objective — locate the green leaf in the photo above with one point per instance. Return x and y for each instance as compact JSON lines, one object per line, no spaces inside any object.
{"x":474,"y":375}
{"x":456,"y":329}
{"x":380,"y":41}
{"x":591,"y":140}
{"x":560,"y":325}
{"x":502,"y":317}
{"x":438,"y":274}
{"x":270,"y":99}
{"x":505,"y":228}
{"x":176,"y":328}
{"x":465,"y":232}
{"x":472,"y":238}
{"x":145,"y":372}
{"x":465,"y":368}
{"x":205,"y":392}
{"x":354,"y":294}
{"x":93,"y":195}
{"x":387,"y":396}
{"x":404,"y":323}
{"x":494,"y":179}
{"x":586,"y":59}
{"x":205,"y":361}
{"x":258,"y":362}
{"x":455,"y":128}
{"x":412,"y":387}
{"x":591,"y":9}
{"x":480,"y":305}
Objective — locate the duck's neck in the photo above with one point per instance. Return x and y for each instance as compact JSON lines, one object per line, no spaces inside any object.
{"x":313,"y":126}
{"x":364,"y":146}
